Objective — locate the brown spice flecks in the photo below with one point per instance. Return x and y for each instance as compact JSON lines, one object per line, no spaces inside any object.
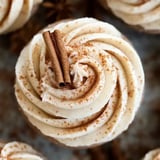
{"x":130,"y":93}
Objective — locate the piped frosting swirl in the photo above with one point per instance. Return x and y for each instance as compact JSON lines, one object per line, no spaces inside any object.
{"x":15,"y":13}
{"x":143,"y":13}
{"x":18,"y":150}
{"x":107,"y":84}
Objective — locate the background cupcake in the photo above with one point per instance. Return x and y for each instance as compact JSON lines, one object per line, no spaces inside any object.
{"x":15,"y":13}
{"x":18,"y":150}
{"x":142,"y":14}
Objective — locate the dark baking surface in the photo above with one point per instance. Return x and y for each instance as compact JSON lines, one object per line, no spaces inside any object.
{"x":142,"y":135}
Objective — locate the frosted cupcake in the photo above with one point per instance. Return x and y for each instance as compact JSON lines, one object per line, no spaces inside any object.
{"x":153,"y":155}
{"x":143,"y":14}
{"x":18,"y":151}
{"x":15,"y":13}
{"x":79,"y":82}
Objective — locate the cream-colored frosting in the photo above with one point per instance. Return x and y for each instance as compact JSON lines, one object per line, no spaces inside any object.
{"x":108,"y":82}
{"x":15,"y":13}
{"x":153,"y":155}
{"x":144,"y":13}
{"x":18,"y":151}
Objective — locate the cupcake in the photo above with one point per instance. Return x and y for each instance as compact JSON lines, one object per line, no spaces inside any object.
{"x":153,"y":155}
{"x":142,"y":14}
{"x":79,"y":82}
{"x":18,"y":151}
{"x":15,"y":13}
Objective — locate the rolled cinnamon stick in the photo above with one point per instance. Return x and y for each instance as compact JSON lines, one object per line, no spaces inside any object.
{"x":62,"y":55}
{"x":54,"y":59}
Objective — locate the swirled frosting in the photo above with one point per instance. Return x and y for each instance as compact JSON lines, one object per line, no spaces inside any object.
{"x":143,"y":13}
{"x":15,"y":13}
{"x":18,"y":151}
{"x":153,"y":155}
{"x":107,"y":84}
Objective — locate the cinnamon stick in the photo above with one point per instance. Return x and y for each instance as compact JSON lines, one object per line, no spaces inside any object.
{"x":62,"y":55}
{"x":54,"y":59}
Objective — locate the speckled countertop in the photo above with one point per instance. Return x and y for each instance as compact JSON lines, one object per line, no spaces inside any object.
{"x":142,"y":135}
